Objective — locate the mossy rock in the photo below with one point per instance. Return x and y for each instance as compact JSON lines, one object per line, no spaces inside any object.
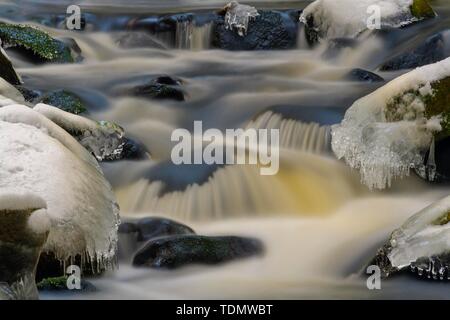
{"x":439,"y":104}
{"x":436,"y":104}
{"x":60,"y":284}
{"x":57,"y":283}
{"x":39,"y":42}
{"x":65,"y":100}
{"x":421,"y":9}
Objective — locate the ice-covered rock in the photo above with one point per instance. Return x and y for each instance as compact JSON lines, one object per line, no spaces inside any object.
{"x":422,"y":243}
{"x":44,"y":167}
{"x":388,"y":132}
{"x":348,"y":18}
{"x":238,"y":16}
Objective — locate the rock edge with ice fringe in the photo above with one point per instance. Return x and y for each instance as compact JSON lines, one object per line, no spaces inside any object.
{"x":422,"y":244}
{"x":42,"y":160}
{"x":388,"y":132}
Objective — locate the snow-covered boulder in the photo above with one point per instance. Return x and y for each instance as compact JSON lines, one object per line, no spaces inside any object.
{"x":388,"y":132}
{"x":328,"y":19}
{"x":49,"y":180}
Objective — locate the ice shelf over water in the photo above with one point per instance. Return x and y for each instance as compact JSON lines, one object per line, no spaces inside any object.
{"x":385,"y":134}
{"x":45,"y":165}
{"x":348,"y":18}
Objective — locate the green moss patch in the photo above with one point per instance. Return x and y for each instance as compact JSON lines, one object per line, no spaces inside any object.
{"x":422,"y":10}
{"x":40,"y":43}
{"x":436,"y":104}
{"x":65,"y":100}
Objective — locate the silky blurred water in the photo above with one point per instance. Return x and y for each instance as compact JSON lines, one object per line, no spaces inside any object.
{"x":319,"y":224}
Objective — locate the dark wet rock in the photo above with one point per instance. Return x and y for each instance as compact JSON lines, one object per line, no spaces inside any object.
{"x":363,"y":76}
{"x":30,"y":95}
{"x":271,"y":30}
{"x":7,"y":71}
{"x":151,"y":228}
{"x":382,"y":261}
{"x":161,"y":88}
{"x":137,"y":39}
{"x":131,"y":149}
{"x":64,"y":100}
{"x":36,"y":42}
{"x":154,"y":227}
{"x":436,"y":267}
{"x":60,"y":284}
{"x":434,"y":49}
{"x":133,"y":233}
{"x":176,"y":251}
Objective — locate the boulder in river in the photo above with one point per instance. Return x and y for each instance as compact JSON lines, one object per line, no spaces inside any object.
{"x":270,"y":30}
{"x":161,"y":88}
{"x":176,"y":251}
{"x":433,"y":49}
{"x":132,"y":233}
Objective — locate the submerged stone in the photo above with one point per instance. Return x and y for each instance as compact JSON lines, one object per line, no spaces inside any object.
{"x":160,"y":88}
{"x":64,"y":100}
{"x":434,"y":49}
{"x":37,"y":42}
{"x":363,"y":76}
{"x":176,"y":251}
{"x":134,"y":232}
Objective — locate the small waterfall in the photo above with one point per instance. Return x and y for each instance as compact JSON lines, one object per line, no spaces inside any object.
{"x":305,"y":184}
{"x":297,"y":135}
{"x":189,"y":36}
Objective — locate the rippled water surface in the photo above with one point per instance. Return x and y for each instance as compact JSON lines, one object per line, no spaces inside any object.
{"x":319,"y":224}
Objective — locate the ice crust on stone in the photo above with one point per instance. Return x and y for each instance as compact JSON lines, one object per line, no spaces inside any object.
{"x":348,"y":18}
{"x":238,"y":16}
{"x":103,"y":139}
{"x":44,"y":166}
{"x":420,"y":236}
{"x":384,"y":150}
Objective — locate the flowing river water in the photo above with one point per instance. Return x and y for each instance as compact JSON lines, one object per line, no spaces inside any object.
{"x":320,"y":226}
